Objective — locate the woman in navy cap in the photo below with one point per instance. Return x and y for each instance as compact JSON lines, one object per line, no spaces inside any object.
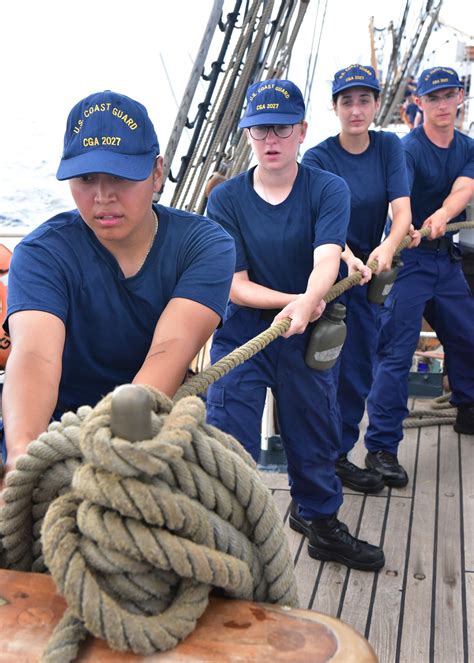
{"x":289,"y":224}
{"x":102,"y":295}
{"x":373,"y":165}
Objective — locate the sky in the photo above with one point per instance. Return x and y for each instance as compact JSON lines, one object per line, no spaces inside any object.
{"x":55,"y":52}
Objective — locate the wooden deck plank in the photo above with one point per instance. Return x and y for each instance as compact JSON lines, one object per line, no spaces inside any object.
{"x":421,"y":608}
{"x":275,"y":480}
{"x":467,"y":470}
{"x":295,"y":541}
{"x":406,"y":451}
{"x":469,"y":577}
{"x":448,"y":625}
{"x":327,"y":598}
{"x":385,"y":617}
{"x":415,"y":620}
{"x":359,"y":588}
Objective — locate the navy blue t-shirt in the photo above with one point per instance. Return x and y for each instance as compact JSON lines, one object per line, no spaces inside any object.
{"x":411,"y":110}
{"x":275,"y":243}
{"x":432,"y":171}
{"x":62,"y":268}
{"x":375,"y":178}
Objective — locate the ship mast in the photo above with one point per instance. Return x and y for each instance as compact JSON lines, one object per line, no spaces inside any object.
{"x":405,"y":62}
{"x":257,"y":49}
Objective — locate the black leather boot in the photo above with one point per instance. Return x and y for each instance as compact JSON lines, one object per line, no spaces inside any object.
{"x":302,"y":525}
{"x":387,"y":464}
{"x":465,"y":419}
{"x":356,"y":478}
{"x":330,"y":541}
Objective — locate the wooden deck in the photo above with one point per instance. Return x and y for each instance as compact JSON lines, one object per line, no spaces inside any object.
{"x":420,"y":607}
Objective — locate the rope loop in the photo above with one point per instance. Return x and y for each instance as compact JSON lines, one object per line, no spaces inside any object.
{"x":42,"y":474}
{"x":138,"y":534}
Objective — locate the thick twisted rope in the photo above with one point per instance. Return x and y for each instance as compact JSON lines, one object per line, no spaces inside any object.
{"x":438,"y":413}
{"x":199,"y":383}
{"x":148,"y":528}
{"x":39,"y":476}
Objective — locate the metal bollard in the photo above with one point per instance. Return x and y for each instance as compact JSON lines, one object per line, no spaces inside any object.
{"x":131,"y":413}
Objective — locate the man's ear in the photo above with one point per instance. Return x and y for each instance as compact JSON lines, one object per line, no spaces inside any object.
{"x":303,"y":130}
{"x":158,"y":174}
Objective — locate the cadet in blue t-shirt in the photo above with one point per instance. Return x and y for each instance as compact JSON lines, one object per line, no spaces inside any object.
{"x":105,"y":294}
{"x":408,"y":112}
{"x":440,"y":164}
{"x":289,"y":224}
{"x":373,"y":165}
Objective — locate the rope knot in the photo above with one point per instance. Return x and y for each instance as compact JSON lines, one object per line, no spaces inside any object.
{"x":150,"y":527}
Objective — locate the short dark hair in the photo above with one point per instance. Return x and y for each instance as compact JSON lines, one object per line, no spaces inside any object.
{"x":376,"y":94}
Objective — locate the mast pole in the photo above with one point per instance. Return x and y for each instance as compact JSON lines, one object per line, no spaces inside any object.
{"x":191,"y":88}
{"x":373,"y":59}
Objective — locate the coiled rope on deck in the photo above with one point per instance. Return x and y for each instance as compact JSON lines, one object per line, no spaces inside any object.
{"x":148,"y":528}
{"x":439,"y":413}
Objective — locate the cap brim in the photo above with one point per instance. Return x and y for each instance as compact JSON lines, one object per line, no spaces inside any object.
{"x":357,"y":84}
{"x":270,"y":118}
{"x":128,"y":166}
{"x":443,"y":86}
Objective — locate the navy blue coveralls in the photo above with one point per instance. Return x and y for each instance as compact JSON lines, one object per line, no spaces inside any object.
{"x":275,"y":243}
{"x":430,"y":284}
{"x":383,"y":165}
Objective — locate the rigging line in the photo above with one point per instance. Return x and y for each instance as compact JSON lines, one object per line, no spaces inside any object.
{"x":275,"y":64}
{"x":233,"y":109}
{"x":305,"y":95}
{"x":397,"y":38}
{"x":191,"y":86}
{"x":169,"y":80}
{"x":317,"y":53}
{"x":412,"y":59}
{"x":194,"y":162}
{"x":455,"y":29}
{"x":199,"y":122}
{"x":202,"y":87}
{"x":397,"y":70}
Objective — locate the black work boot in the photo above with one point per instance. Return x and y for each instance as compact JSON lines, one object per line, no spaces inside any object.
{"x":465,"y":419}
{"x":302,"y":525}
{"x":329,"y":541}
{"x":364,"y":481}
{"x":387,"y":464}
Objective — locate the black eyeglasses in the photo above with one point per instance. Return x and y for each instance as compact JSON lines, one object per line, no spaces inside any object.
{"x":260,"y":131}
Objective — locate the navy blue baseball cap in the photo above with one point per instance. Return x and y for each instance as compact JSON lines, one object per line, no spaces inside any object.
{"x":355,"y":75}
{"x":109,"y":133}
{"x":437,"y":78}
{"x":275,"y":101}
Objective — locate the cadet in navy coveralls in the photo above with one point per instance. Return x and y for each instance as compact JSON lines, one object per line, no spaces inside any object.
{"x":289,"y":224}
{"x":104,"y":294}
{"x":440,"y":164}
{"x":373,"y":165}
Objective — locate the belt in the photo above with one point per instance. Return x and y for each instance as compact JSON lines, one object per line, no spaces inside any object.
{"x":440,"y":244}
